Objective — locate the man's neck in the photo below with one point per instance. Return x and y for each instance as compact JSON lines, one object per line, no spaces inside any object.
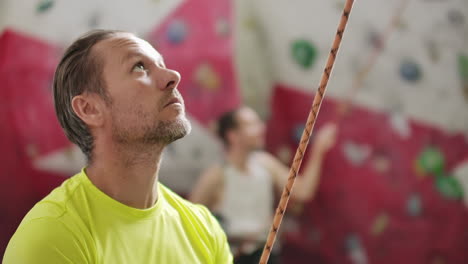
{"x":238,"y":158}
{"x":126,"y":175}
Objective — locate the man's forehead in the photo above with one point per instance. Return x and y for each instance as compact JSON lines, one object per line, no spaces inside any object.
{"x":246,"y":114}
{"x":125,"y":43}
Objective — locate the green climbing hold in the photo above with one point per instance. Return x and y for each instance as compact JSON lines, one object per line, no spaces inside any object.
{"x":449,"y":187}
{"x":380,"y":224}
{"x":431,"y":161}
{"x":304,"y":53}
{"x":44,"y":5}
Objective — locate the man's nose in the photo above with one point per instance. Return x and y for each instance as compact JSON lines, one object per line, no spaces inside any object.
{"x":170,"y":79}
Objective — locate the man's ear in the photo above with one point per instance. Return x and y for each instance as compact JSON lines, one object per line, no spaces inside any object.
{"x":232,"y":136}
{"x":89,"y":108}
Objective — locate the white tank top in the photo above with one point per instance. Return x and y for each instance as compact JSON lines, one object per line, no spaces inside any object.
{"x":247,"y":204}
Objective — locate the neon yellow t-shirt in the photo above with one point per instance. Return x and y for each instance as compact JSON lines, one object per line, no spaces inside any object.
{"x":77,"y":223}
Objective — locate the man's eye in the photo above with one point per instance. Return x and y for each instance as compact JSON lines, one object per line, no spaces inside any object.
{"x":139,"y":67}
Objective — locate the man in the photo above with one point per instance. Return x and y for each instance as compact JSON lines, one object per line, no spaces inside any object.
{"x":117,"y":101}
{"x":241,"y":189}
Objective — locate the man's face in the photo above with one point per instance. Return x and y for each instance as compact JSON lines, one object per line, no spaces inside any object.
{"x":145,"y":105}
{"x":250,"y":129}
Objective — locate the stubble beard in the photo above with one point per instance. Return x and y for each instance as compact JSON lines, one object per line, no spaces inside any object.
{"x":158,"y":133}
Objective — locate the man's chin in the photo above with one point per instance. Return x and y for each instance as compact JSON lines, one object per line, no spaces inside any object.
{"x":179,"y":129}
{"x":185,"y":125}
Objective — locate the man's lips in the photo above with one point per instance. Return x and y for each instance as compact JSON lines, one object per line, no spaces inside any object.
{"x":174,"y":100}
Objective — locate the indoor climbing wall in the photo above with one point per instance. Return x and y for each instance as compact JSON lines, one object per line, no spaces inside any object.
{"x":29,"y":128}
{"x":388,"y":192}
{"x":420,"y":73}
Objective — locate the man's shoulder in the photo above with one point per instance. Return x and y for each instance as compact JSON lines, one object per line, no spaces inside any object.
{"x":196,"y":216}
{"x":57,"y":202}
{"x":264,"y":158}
{"x":175,"y":199}
{"x":184,"y":206}
{"x":48,"y":231}
{"x":44,"y":240}
{"x":261,"y":154}
{"x":200,"y":224}
{"x":52,"y":210}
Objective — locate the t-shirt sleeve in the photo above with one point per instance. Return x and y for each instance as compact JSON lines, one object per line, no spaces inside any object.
{"x":44,"y":240}
{"x":223,"y":251}
{"x":224,"y":254}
